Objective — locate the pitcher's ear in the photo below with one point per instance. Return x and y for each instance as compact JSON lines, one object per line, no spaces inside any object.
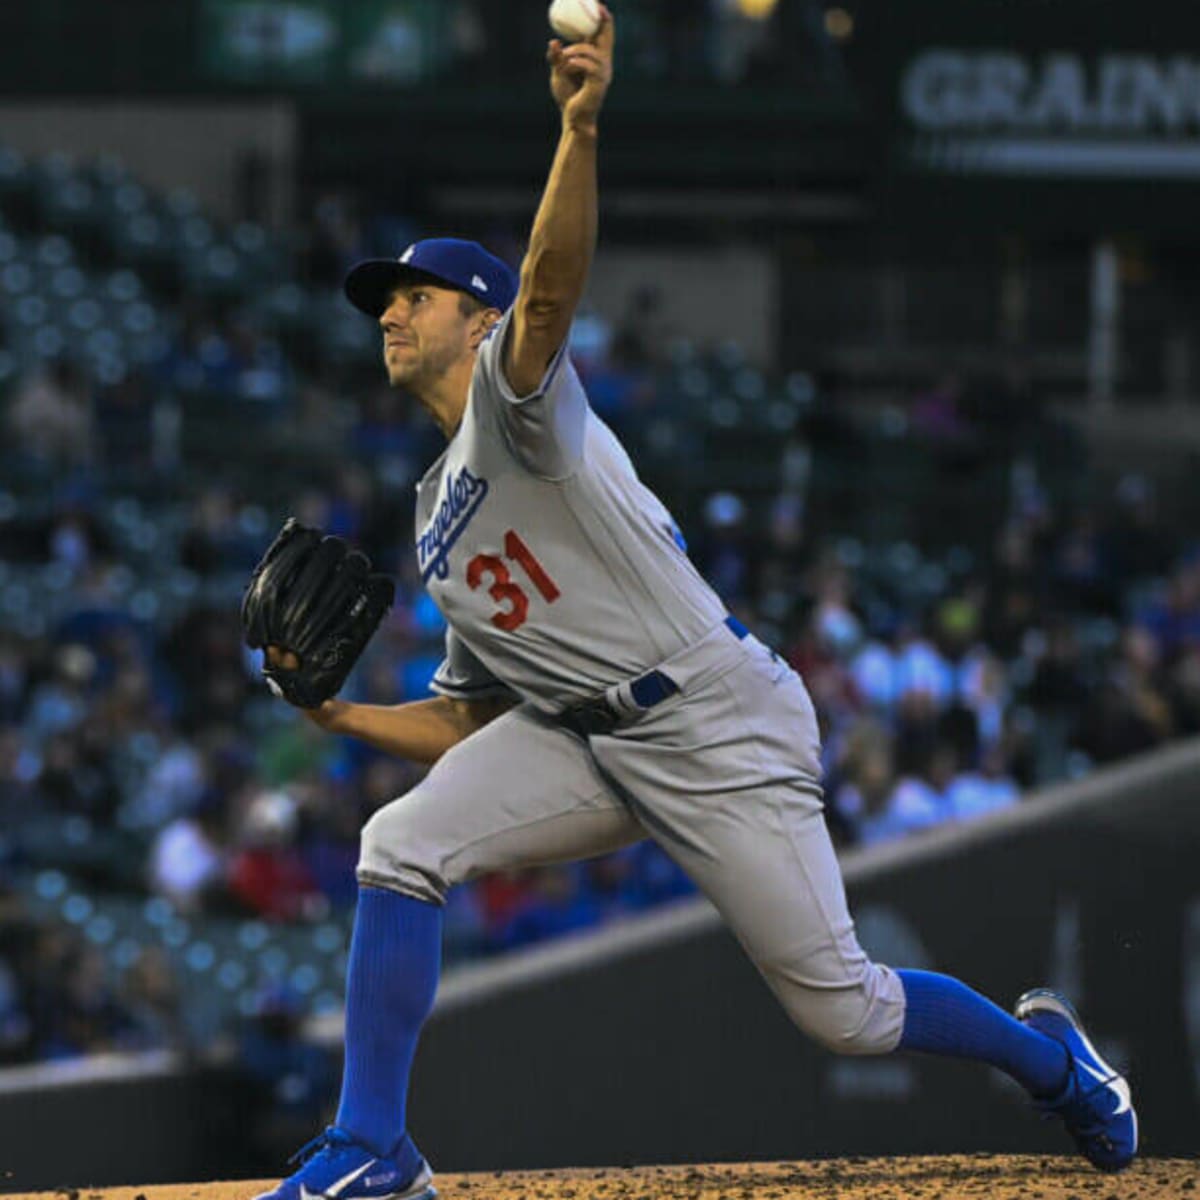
{"x":491,"y":318}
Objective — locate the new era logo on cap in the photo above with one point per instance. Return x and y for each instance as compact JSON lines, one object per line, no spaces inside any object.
{"x":451,"y":262}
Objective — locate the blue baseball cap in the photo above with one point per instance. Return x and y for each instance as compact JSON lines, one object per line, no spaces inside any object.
{"x":451,"y":262}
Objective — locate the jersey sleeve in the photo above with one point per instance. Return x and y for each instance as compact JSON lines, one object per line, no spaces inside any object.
{"x":462,"y":676}
{"x":545,"y":428}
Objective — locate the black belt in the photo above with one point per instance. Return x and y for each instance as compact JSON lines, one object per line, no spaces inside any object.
{"x":597,"y":716}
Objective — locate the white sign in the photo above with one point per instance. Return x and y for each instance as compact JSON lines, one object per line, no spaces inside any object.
{"x":1117,"y":93}
{"x":1001,"y":112}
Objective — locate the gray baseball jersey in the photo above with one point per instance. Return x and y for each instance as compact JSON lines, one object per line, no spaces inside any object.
{"x":561,"y":577}
{"x":558,"y":571}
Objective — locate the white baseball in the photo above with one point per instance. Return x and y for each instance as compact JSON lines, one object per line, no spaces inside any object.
{"x":575,"y":20}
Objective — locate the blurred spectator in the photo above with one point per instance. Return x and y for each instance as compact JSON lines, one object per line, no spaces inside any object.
{"x":550,"y":902}
{"x":77,"y":774}
{"x":329,"y":848}
{"x":19,"y":768}
{"x":822,"y":652}
{"x":1138,"y":544}
{"x":723,"y":551}
{"x":204,"y":652}
{"x":873,"y":671}
{"x":259,"y":368}
{"x":974,"y":793}
{"x":388,"y":432}
{"x":173,"y":784}
{"x":643,"y":332}
{"x":335,"y":240}
{"x":1083,"y":574}
{"x":189,"y":859}
{"x":50,"y":416}
{"x":14,"y":677}
{"x":867,"y":777}
{"x":75,"y":1008}
{"x":75,"y":540}
{"x":916,"y":800}
{"x":151,"y":997}
{"x":15,"y":1026}
{"x":502,"y":895}
{"x":1060,"y":682}
{"x":215,"y":539}
{"x":616,"y":388}
{"x":1172,"y":617}
{"x":922,"y":672}
{"x":125,"y":417}
{"x":197,"y":358}
{"x":61,"y":702}
{"x":290,"y":1077}
{"x":267,"y":872}
{"x":349,"y":498}
{"x":1131,"y":711}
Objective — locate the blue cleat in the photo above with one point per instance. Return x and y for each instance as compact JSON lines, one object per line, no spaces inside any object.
{"x":1095,"y":1104}
{"x":336,"y":1167}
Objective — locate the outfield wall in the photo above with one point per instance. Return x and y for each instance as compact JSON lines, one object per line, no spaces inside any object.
{"x":656,"y":1041}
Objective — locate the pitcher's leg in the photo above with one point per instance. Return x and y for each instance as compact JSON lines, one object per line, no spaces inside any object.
{"x":741,"y":812}
{"x":519,"y":792}
{"x":391,"y":981}
{"x":728,"y":785}
{"x":828,"y":984}
{"x":852,"y":1005}
{"x":778,"y":886}
{"x":792,"y":920}
{"x":944,"y":1016}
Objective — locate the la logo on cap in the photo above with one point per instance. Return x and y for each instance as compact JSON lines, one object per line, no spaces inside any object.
{"x":408,"y":253}
{"x":476,"y":282}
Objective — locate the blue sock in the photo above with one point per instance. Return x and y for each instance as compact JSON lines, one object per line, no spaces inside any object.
{"x":391,"y":980}
{"x":944,"y":1016}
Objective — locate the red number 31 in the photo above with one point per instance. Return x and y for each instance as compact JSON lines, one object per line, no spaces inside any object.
{"x":503,"y":590}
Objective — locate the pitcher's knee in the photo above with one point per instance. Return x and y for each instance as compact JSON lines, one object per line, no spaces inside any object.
{"x":394,"y":854}
{"x":848,"y":1030}
{"x":863,"y":1017}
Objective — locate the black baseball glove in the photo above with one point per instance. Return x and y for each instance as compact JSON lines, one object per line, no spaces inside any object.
{"x":314,"y":598}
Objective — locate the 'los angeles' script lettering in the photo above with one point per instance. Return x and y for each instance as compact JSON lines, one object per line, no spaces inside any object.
{"x":463,"y":495}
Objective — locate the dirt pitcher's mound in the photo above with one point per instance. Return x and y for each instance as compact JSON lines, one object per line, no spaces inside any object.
{"x":934,"y":1178}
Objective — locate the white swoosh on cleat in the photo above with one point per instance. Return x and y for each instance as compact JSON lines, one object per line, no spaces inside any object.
{"x":340,"y":1186}
{"x":1124,"y":1096}
{"x":1116,"y":1084}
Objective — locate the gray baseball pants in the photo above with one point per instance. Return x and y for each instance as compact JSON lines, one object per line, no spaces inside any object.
{"x":723,"y":775}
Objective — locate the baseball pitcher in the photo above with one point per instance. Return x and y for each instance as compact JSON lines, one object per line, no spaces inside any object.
{"x":594,"y":692}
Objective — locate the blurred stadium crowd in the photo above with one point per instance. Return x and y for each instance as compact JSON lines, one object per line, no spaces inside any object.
{"x":177,"y":848}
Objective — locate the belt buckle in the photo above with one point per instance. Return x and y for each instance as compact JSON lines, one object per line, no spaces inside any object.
{"x":599,"y":716}
{"x":590,"y":717}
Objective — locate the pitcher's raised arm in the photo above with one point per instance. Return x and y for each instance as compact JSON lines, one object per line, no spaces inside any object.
{"x":555,"y":269}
